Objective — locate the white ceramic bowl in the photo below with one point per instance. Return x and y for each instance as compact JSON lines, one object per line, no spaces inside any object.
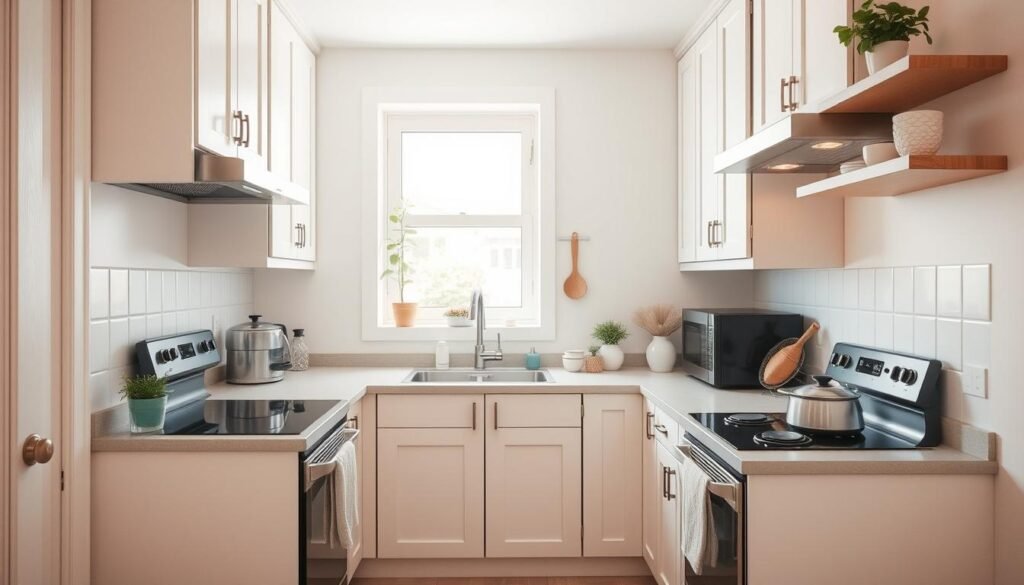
{"x":918,"y":132}
{"x":574,"y":353}
{"x":878,"y":153}
{"x":572,"y":364}
{"x":851,"y":165}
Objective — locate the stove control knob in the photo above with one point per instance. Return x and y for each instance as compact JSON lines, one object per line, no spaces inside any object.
{"x":163,"y":356}
{"x":843,"y":360}
{"x":211,"y":345}
{"x":908,"y":377}
{"x":202,"y":347}
{"x":174,"y":353}
{"x":835,"y":359}
{"x":896,"y":373}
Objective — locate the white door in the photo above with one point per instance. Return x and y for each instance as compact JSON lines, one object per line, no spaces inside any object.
{"x":773,"y":59}
{"x":250,"y":66}
{"x":667,"y":572}
{"x":733,"y":25}
{"x":217,"y":122}
{"x":652,"y":490}
{"x":30,"y":294}
{"x":612,"y":474}
{"x":708,"y":115}
{"x":430,"y":493}
{"x":689,"y":175}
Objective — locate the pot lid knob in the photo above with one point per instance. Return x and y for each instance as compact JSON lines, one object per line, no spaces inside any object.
{"x":823,"y":381}
{"x":255,"y":319}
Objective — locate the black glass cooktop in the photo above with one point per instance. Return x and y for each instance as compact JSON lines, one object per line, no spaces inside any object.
{"x":250,"y":417}
{"x":744,"y":432}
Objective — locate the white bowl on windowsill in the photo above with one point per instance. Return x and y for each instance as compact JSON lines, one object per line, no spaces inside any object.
{"x":458,"y":321}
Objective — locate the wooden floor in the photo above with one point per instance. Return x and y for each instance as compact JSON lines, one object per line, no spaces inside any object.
{"x":511,"y":581}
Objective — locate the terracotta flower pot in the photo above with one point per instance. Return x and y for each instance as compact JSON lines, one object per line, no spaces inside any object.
{"x":593,"y":364}
{"x":405,"y":314}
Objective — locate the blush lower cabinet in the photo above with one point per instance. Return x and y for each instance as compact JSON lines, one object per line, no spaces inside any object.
{"x":430,"y":477}
{"x":534,"y":475}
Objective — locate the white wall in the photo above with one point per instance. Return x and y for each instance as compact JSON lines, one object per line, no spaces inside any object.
{"x":977,"y":222}
{"x":616,"y":176}
{"x":139,"y":285}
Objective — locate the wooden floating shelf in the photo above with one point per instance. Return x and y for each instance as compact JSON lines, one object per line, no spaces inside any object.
{"x":912,"y":81}
{"x":905,"y":175}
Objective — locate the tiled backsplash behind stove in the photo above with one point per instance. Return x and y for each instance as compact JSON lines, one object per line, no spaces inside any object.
{"x":940,"y":312}
{"x":129,"y":305}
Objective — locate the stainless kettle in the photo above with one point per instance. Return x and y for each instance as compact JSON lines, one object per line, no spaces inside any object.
{"x":257,"y":352}
{"x":825,"y":407}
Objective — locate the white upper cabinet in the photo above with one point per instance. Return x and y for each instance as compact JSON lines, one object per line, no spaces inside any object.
{"x":251,"y":73}
{"x":217,"y":125}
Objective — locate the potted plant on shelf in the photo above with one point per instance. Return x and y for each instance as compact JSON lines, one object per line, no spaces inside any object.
{"x":593,"y":362}
{"x":147,"y":402}
{"x":457,"y":317}
{"x":398,"y":269}
{"x":660,"y":321}
{"x":884,"y":31}
{"x":610,"y":333}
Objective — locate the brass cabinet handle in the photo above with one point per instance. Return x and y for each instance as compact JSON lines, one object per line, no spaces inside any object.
{"x":37,"y":450}
{"x":245,"y":127}
{"x":710,"y":228}
{"x":715,"y":233}
{"x":353,"y":421}
{"x":236,"y":127}
{"x":495,"y":416}
{"x":298,"y":235}
{"x":792,"y":92}
{"x":661,"y":429}
{"x":650,"y":421}
{"x":668,"y":484}
{"x":782,"y":94}
{"x":474,"y":415}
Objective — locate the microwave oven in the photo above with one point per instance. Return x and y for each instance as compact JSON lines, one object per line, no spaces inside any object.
{"x":725,"y":347}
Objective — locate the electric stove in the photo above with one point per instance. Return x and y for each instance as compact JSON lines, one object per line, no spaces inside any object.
{"x":750,"y":437}
{"x":253,"y":417}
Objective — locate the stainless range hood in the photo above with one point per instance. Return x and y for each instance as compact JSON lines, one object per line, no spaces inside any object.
{"x":806,"y":143}
{"x":225,"y":179}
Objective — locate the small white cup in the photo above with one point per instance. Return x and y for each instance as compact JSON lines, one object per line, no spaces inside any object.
{"x":574,"y":353}
{"x":879,"y":153}
{"x":572,"y":364}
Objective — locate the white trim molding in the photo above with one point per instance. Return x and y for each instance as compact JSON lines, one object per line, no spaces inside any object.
{"x":378,"y":104}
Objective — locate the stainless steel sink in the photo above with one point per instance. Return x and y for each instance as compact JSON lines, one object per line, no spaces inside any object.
{"x":471,"y":376}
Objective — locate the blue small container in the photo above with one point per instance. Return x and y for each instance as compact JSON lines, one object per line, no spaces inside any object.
{"x":533,"y":360}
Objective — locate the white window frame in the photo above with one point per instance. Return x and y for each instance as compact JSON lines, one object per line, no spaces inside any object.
{"x":387,"y":112}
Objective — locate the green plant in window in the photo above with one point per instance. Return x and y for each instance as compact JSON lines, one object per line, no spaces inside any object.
{"x":397,"y":245}
{"x":875,"y":24}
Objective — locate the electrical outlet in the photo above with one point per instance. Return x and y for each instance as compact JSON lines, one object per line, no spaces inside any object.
{"x":976,"y":381}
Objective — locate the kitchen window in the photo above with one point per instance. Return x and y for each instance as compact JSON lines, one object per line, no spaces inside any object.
{"x":471,"y":178}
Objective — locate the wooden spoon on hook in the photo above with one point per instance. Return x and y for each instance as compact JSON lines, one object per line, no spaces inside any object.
{"x":575,"y":286}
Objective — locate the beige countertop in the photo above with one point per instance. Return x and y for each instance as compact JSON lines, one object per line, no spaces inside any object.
{"x":675,"y":393}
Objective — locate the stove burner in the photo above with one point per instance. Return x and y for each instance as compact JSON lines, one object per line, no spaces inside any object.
{"x":748,"y":419}
{"x":782,"y":439}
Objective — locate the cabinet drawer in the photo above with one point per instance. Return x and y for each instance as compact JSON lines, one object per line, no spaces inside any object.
{"x":414,"y":411}
{"x":665,"y":428}
{"x":534,"y":410}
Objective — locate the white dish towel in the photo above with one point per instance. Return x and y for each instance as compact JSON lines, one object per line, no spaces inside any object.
{"x":700,"y":542}
{"x":343,"y":498}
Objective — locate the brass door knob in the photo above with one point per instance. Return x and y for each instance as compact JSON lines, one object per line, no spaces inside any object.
{"x":37,"y":450}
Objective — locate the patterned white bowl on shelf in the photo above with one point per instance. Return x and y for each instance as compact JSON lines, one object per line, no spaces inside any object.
{"x":918,"y":132}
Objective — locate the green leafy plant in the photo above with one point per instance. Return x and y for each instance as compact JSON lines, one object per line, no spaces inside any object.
{"x":610,"y":332}
{"x":143,"y":388}
{"x":593,"y":349}
{"x":397,"y":247}
{"x":875,"y":24}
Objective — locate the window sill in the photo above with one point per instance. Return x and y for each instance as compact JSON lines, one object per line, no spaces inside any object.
{"x":434,"y":332}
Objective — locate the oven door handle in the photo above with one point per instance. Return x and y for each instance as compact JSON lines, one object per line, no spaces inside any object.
{"x":722,"y":483}
{"x":321,"y":462}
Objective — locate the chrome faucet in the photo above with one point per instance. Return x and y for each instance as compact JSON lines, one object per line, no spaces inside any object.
{"x":482,"y":355}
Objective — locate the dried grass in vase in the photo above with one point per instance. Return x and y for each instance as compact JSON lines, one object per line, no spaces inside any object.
{"x":659,"y":320}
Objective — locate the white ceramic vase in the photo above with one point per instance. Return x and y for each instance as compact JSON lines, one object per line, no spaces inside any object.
{"x":885,"y":54}
{"x":661,"y":355}
{"x":612,"y":356}
{"x":917,"y":132}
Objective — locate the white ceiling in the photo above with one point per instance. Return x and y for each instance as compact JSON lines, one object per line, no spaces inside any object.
{"x":498,"y":23}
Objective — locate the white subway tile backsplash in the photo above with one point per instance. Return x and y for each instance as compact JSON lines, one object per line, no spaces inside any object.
{"x":903,"y":290}
{"x":883,"y":330}
{"x":154,"y":291}
{"x":952,"y":394}
{"x":949,"y":343}
{"x":118,"y":293}
{"x":195,"y":290}
{"x":866,"y":296}
{"x":851,"y":289}
{"x":137,"y":330}
{"x":99,"y":293}
{"x":154,"y":326}
{"x":99,"y":345}
{"x":835,"y":288}
{"x":883,"y":290}
{"x":181,"y":289}
{"x":924,"y":290}
{"x":120,"y":346}
{"x":977,"y":344}
{"x":976,"y":292}
{"x":924,"y":336}
{"x":821,"y":288}
{"x":169,"y":291}
{"x":137,"y":291}
{"x":903,"y":333}
{"x":866,"y":328}
{"x":948,"y":291}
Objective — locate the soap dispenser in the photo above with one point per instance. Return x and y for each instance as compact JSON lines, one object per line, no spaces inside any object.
{"x":533,"y":360}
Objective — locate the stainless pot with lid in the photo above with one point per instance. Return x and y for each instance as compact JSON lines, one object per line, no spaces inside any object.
{"x":824,"y":407}
{"x":257,"y":352}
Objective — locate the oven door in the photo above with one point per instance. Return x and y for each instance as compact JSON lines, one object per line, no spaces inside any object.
{"x":698,"y":345}
{"x":322,"y":563}
{"x":727,"y":504}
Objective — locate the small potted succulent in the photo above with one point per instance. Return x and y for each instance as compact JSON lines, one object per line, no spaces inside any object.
{"x":883,"y":31}
{"x":660,"y":321}
{"x":147,"y":402}
{"x":610,"y":333}
{"x":457,"y":317}
{"x":398,"y":269}
{"x":593,"y":363}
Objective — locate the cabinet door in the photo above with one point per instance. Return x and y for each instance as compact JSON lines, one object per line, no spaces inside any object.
{"x":216,"y":127}
{"x":303,"y":163}
{"x":733,"y":26}
{"x":430,"y":493}
{"x":827,"y":65}
{"x":355,"y":552}
{"x":689,"y":177}
{"x":282,"y":46}
{"x":774,"y":37}
{"x":251,"y":74}
{"x":652,"y":487}
{"x":668,"y":565}
{"x":612,"y":475}
{"x":708,"y":115}
{"x":534,"y":491}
